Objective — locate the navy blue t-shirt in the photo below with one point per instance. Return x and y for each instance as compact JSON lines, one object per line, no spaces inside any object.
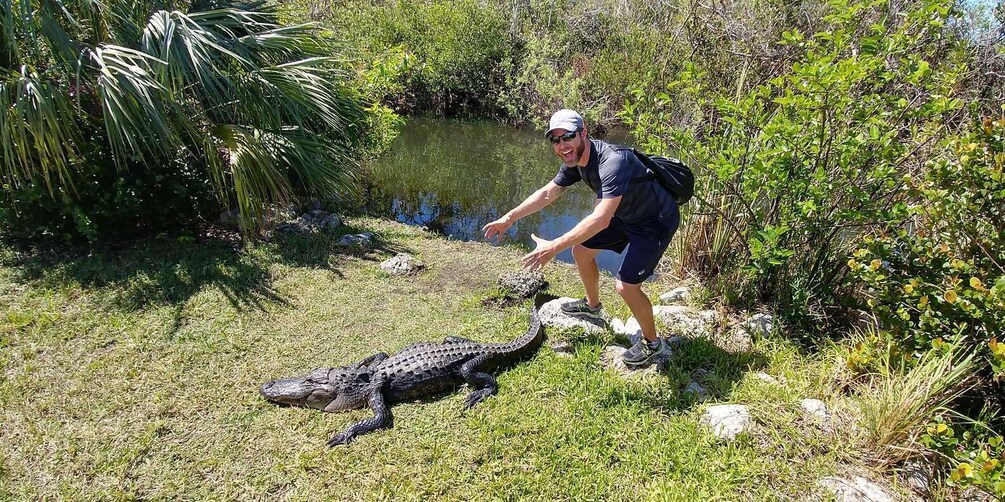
{"x":609,"y":173}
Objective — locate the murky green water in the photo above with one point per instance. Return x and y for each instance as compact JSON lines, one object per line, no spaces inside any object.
{"x":455,"y":176}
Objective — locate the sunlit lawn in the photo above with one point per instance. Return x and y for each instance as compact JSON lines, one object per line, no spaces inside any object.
{"x":134,"y":374}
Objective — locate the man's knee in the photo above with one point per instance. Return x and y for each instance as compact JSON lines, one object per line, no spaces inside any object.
{"x":624,"y":288}
{"x":581,"y":252}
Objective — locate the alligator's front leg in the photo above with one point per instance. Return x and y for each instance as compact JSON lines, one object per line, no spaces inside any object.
{"x":381,"y":418}
{"x":485,"y":383}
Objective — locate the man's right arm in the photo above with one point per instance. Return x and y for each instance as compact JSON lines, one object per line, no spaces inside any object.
{"x":532,"y":204}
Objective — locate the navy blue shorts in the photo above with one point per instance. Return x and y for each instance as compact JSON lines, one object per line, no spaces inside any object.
{"x":646,"y":245}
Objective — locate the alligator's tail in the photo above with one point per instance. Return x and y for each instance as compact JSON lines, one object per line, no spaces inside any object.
{"x":527,"y":342}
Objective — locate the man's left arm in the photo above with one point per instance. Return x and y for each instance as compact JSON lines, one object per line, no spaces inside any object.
{"x":588,"y":227}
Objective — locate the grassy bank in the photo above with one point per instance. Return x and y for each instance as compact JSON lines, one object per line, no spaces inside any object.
{"x":133,"y":373}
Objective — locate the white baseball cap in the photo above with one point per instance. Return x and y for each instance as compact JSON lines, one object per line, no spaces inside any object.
{"x":565,"y":119}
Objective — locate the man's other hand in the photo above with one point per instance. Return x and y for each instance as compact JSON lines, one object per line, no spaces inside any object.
{"x":541,"y":255}
{"x":497,"y":228}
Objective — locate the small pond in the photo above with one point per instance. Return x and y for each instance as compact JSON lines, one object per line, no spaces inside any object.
{"x":455,"y":176}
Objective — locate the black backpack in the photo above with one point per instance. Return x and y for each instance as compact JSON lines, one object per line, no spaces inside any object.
{"x":673,"y":174}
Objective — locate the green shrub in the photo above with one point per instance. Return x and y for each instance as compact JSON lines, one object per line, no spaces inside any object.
{"x":977,"y":456}
{"x":937,"y":277}
{"x":941,"y":276}
{"x":448,"y":58}
{"x":796,"y":168}
{"x":109,"y":205}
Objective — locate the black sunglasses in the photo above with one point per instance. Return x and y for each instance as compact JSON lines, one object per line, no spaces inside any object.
{"x":567,"y":136}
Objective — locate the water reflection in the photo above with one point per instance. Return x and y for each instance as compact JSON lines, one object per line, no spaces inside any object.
{"x":455,"y":176}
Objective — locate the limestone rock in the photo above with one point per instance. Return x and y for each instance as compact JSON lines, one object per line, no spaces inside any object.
{"x":402,"y":264}
{"x":766,"y":378}
{"x":814,"y":408}
{"x":629,"y":329}
{"x":551,"y":315}
{"x":676,"y":296}
{"x":727,"y":420}
{"x":856,"y":490}
{"x":687,"y":319}
{"x":522,"y":283}
{"x":364,"y":239}
{"x":759,"y":324}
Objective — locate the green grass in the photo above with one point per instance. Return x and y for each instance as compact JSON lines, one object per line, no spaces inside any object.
{"x":134,"y":374}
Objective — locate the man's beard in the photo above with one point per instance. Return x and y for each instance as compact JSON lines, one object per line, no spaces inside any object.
{"x":577,"y":153}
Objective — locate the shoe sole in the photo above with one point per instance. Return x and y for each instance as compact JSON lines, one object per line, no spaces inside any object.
{"x":584,"y":314}
{"x":651,"y":360}
{"x":643,"y":364}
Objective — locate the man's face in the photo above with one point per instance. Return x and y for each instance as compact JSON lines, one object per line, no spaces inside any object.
{"x":570,"y":150}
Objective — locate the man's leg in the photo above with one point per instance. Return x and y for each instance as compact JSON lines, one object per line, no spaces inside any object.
{"x":589,"y":273}
{"x":640,"y":306}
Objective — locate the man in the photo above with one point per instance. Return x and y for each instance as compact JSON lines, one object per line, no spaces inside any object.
{"x":632,"y":210}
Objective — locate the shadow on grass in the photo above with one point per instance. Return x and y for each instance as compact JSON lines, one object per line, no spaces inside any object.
{"x":694,"y":360}
{"x":153,"y":271}
{"x":321,"y":251}
{"x":165,"y":271}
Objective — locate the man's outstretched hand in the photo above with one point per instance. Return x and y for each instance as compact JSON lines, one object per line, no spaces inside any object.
{"x":543,"y":253}
{"x":497,"y":228}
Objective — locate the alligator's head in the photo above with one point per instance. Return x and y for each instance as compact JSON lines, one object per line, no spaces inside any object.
{"x":327,"y":389}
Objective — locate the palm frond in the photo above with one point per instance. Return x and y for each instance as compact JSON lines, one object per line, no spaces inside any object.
{"x":38,"y":128}
{"x":133,"y":103}
{"x":251,"y":164}
{"x":193,"y":55}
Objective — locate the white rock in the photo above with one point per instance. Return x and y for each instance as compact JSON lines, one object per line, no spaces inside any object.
{"x":759,"y":324}
{"x":402,"y":264}
{"x":364,"y":239}
{"x":632,"y":327}
{"x":815,"y":408}
{"x":676,"y":295}
{"x":618,"y":326}
{"x":686,"y":318}
{"x":857,"y":490}
{"x":551,"y":315}
{"x":764,"y":377}
{"x":727,"y":420}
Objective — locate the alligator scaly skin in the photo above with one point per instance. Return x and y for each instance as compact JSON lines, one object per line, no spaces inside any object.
{"x":417,"y":370}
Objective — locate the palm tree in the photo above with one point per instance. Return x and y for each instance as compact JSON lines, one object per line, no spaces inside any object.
{"x":221,"y":84}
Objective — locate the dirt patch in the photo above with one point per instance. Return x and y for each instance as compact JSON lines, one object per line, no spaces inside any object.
{"x":501,"y":303}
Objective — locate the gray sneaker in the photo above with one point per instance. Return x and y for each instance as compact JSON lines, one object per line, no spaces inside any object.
{"x":580,"y":308}
{"x":643,"y":354}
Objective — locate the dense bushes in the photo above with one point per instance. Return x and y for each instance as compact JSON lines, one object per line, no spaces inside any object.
{"x":106,"y":204}
{"x":126,"y":115}
{"x":519,"y":61}
{"x":447,"y":58}
{"x":936,"y":278}
{"x":801,"y":164}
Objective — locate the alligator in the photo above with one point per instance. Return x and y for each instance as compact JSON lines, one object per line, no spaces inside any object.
{"x":418,"y":370}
